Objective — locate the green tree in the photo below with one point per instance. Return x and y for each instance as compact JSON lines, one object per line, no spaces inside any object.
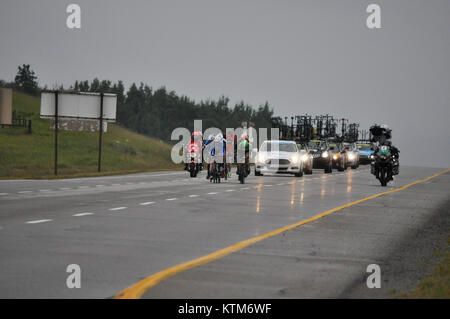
{"x":26,"y":80}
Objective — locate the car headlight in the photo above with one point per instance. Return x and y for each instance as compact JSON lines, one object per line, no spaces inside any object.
{"x":295,"y":159}
{"x":305,"y":157}
{"x":335,"y":156}
{"x":261,"y":158}
{"x":325,"y":154}
{"x":371,"y":157}
{"x":351,"y":156}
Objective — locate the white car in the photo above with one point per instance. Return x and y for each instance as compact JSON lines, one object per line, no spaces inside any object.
{"x":352,"y":155}
{"x":279,"y":157}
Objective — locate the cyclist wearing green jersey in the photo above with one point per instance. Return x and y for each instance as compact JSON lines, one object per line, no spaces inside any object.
{"x":243,"y":146}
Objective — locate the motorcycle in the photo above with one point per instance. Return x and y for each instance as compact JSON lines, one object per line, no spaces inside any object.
{"x":193,"y":167}
{"x":384,"y":165}
{"x":194,"y":159}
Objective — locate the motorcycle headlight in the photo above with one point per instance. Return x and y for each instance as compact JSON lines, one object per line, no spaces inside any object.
{"x":335,"y":156}
{"x":325,"y":154}
{"x":351,"y":156}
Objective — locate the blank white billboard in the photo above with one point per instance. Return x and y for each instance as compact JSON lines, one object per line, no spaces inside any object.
{"x":79,"y":105}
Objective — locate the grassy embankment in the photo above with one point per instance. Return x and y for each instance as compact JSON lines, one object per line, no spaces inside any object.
{"x":437,"y":285}
{"x":25,"y":155}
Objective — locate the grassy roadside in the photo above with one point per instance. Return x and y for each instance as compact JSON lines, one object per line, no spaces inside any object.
{"x":25,"y":155}
{"x":437,"y":285}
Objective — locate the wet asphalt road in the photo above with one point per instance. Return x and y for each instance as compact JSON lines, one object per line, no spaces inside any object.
{"x":121,"y":229}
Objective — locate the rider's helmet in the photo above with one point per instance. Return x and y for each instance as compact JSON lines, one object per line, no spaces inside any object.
{"x":219,"y":137}
{"x":211,"y":137}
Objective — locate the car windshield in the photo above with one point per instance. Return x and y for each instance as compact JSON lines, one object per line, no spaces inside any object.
{"x":314,"y":144}
{"x":363,"y":147}
{"x":282,"y":147}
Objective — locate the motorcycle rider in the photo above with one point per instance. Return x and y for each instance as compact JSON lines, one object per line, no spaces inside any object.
{"x":381,"y":138}
{"x":194,"y":146}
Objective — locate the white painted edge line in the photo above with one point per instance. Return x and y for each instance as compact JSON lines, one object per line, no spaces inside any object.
{"x":3,"y":194}
{"x":118,"y":208}
{"x":25,"y":192}
{"x":212,"y":193}
{"x":170,"y":199}
{"x":82,"y":214}
{"x":39,"y":221}
{"x":194,"y":196}
{"x":229,"y":190}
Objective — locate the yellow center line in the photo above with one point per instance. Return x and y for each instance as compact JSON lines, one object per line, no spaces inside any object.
{"x":137,"y":290}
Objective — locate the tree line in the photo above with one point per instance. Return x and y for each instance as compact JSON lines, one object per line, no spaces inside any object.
{"x":157,"y":112}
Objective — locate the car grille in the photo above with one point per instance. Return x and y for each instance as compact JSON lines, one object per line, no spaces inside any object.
{"x":280,"y":161}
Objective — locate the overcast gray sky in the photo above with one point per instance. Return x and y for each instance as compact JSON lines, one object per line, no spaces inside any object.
{"x":313,"y":56}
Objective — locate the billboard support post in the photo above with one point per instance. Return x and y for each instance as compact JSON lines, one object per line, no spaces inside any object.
{"x":56,"y":132}
{"x":100,"y":134}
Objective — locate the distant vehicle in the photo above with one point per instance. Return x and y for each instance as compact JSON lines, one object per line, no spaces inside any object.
{"x":279,"y":157}
{"x":338,"y":155}
{"x":352,"y":155}
{"x":306,"y":157}
{"x":365,"y":152}
{"x":321,"y":153}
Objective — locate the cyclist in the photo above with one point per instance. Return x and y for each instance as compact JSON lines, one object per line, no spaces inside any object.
{"x":210,"y":149}
{"x":243,"y":146}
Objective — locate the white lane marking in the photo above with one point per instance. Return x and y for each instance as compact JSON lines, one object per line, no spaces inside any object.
{"x":130,"y":183}
{"x":246,"y":187}
{"x":229,"y":190}
{"x":99,"y":185}
{"x":170,"y":199}
{"x":25,"y":192}
{"x":118,"y":208}
{"x":193,"y":196}
{"x":212,"y":193}
{"x":65,"y":188}
{"x":268,"y":185}
{"x":45,"y":190}
{"x":82,"y":187}
{"x":83,"y":214}
{"x":39,"y":221}
{"x":146,"y":203}
{"x":115,"y":184}
{"x":280,"y":184}
{"x":3,"y":194}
